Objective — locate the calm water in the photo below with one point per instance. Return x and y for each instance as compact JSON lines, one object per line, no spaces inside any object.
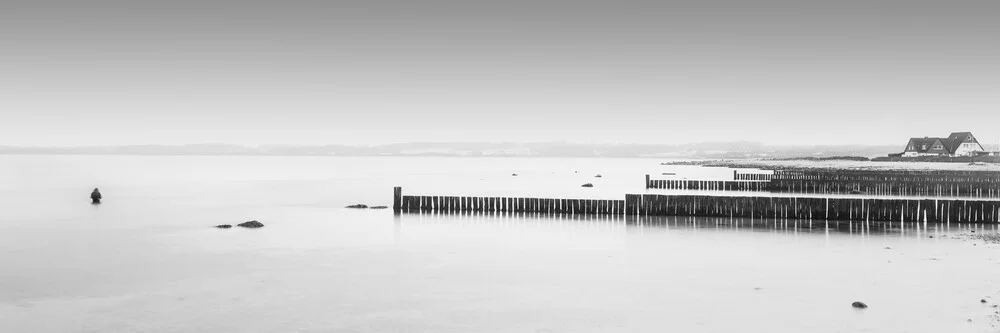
{"x":148,"y":260}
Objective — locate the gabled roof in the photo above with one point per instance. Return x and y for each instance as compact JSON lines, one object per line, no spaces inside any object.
{"x":956,"y":139}
{"x":917,"y":142}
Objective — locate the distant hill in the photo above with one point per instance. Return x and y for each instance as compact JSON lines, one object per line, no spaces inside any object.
{"x":728,"y":150}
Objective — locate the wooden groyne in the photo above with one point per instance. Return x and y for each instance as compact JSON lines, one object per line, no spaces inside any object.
{"x":890,"y":175}
{"x":752,"y":176}
{"x":708,"y":185}
{"x":984,"y":184}
{"x":847,"y":209}
{"x":975,"y":184}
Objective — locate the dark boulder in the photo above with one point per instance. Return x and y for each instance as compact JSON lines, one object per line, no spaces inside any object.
{"x":982,"y":301}
{"x":587,"y":185}
{"x":224,"y":226}
{"x":358,"y":206}
{"x":251,"y":224}
{"x":859,"y":305}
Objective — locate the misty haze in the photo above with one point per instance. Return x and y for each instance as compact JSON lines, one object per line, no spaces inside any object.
{"x":499,"y":166}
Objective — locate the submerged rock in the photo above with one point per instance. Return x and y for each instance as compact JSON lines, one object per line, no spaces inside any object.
{"x":598,"y":176}
{"x":513,"y":175}
{"x":379,"y":207}
{"x":859,"y":305}
{"x":251,"y":224}
{"x":224,"y":226}
{"x":587,"y":185}
{"x":358,"y":206}
{"x":982,"y":301}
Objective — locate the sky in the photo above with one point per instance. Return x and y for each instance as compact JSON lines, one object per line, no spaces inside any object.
{"x":254,"y":72}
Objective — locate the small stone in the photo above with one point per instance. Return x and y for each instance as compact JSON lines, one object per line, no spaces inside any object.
{"x":859,"y":305}
{"x":931,"y":236}
{"x":888,"y":248}
{"x":982,"y":301}
{"x":598,"y":176}
{"x":973,"y":231}
{"x":224,"y":226}
{"x":379,"y":207}
{"x":251,"y":224}
{"x":358,"y":206}
{"x":587,"y":185}
{"x":513,"y":175}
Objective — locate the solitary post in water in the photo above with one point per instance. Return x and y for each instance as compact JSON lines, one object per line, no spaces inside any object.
{"x":95,"y":196}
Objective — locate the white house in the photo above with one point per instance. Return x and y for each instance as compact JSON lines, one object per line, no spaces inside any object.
{"x":956,"y":144}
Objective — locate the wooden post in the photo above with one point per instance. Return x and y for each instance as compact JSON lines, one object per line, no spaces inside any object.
{"x":397,"y":199}
{"x":647,"y":181}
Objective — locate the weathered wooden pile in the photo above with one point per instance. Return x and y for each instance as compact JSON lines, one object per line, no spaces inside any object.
{"x":848,"y":209}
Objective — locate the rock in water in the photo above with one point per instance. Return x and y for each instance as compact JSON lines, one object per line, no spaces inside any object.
{"x":859,"y":305}
{"x":223,"y":226}
{"x":359,"y":206}
{"x":513,"y":175}
{"x":982,"y":301}
{"x":587,"y":185}
{"x":251,"y":224}
{"x":598,"y":176}
{"x":379,"y":207}
{"x":95,"y":197}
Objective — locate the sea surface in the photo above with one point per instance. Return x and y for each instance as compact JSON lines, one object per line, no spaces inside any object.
{"x":149,"y":259}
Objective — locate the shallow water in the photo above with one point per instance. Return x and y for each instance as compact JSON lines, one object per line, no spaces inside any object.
{"x":148,"y":259}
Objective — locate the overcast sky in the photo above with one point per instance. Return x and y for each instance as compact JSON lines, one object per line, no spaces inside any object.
{"x":356,"y":72}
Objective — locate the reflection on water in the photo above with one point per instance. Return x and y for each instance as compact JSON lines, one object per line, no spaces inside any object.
{"x":625,"y":223}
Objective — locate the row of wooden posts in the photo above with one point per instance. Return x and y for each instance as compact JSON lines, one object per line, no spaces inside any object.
{"x":752,"y":176}
{"x":992,"y":177}
{"x":847,"y":209}
{"x":863,"y":184}
{"x":707,"y":185}
{"x":900,"y":188}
